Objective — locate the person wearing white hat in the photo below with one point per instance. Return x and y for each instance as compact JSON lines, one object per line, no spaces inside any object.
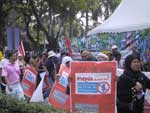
{"x":51,"y":54}
{"x":50,"y":66}
{"x":65,"y":63}
{"x":66,"y":60}
{"x":116,"y":55}
{"x":114,"y":47}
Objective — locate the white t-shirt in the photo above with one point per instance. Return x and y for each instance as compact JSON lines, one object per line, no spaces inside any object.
{"x":4,"y":62}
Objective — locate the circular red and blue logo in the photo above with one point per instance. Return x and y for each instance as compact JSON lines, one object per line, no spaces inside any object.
{"x":103,"y":87}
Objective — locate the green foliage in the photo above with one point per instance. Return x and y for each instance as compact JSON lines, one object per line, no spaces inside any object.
{"x":46,"y":18}
{"x":11,"y":105}
{"x":145,"y":33}
{"x":114,"y":4}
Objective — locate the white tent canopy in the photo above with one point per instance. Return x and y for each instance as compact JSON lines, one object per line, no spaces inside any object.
{"x":130,"y":15}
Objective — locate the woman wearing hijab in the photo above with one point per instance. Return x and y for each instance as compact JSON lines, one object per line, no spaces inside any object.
{"x":64,"y":70}
{"x":131,"y":87}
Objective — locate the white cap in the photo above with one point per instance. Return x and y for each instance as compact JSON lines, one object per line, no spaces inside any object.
{"x":51,"y":54}
{"x":114,"y":47}
{"x":66,"y":59}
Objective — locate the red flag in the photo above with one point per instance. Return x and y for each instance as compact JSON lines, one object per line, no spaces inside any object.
{"x":21,"y":49}
{"x":68,"y":45}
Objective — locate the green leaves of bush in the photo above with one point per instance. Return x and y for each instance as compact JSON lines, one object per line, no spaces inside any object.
{"x":12,"y":105}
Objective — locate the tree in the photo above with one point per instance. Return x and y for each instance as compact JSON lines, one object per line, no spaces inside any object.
{"x":50,"y":19}
{"x":3,"y":18}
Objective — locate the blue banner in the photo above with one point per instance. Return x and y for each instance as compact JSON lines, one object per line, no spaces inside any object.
{"x":17,"y":38}
{"x":10,"y":38}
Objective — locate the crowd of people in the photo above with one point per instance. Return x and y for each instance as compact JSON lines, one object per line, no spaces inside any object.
{"x":131,"y":85}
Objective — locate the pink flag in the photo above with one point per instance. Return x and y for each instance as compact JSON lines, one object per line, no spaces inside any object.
{"x":68,"y":45}
{"x":21,"y":49}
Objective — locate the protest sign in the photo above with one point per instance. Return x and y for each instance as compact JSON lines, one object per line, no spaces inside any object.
{"x":93,"y":87}
{"x":58,"y":97}
{"x":64,"y":73}
{"x":29,"y":81}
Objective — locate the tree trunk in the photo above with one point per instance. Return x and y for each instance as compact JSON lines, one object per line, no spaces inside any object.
{"x":87,"y":21}
{"x":2,"y":24}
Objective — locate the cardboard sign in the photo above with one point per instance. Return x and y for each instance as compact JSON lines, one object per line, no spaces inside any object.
{"x":64,"y":74}
{"x":29,"y":81}
{"x":93,"y":87}
{"x":58,"y":97}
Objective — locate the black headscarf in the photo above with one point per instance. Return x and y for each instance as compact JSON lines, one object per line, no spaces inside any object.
{"x":129,"y":60}
{"x":128,"y":71}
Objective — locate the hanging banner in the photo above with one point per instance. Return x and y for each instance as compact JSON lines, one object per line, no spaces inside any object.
{"x":58,"y":97}
{"x":17,"y":37}
{"x":29,"y":81}
{"x":10,"y":38}
{"x":13,"y":37}
{"x":93,"y":87}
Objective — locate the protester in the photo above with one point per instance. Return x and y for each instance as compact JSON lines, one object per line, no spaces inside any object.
{"x":40,"y":66}
{"x":87,"y":56}
{"x":102,"y":57}
{"x":62,"y":55}
{"x":66,"y":62}
{"x":4,"y":61}
{"x":20,"y":61}
{"x":11,"y":74}
{"x":29,"y":68}
{"x":145,"y":66}
{"x":50,"y":65}
{"x":65,"y":78}
{"x":51,"y":68}
{"x":115,"y":55}
{"x":131,"y":87}
{"x":1,"y":55}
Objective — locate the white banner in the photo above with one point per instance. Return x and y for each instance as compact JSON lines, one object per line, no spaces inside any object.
{"x":38,"y":95}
